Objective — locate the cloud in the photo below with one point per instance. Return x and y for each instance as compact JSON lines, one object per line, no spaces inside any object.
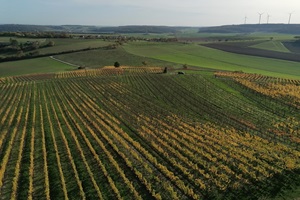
{"x":158,"y":4}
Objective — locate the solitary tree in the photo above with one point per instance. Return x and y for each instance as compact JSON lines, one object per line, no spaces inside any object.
{"x":50,"y":44}
{"x":145,"y":63}
{"x":117,"y":64}
{"x":165,"y":70}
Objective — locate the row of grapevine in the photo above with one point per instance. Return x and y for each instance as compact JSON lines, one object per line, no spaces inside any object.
{"x":13,"y":134}
{"x":100,"y":143}
{"x":28,"y":78}
{"x":264,"y":174}
{"x":131,"y":152}
{"x":103,"y":134}
{"x":109,"y":71}
{"x":257,"y":78}
{"x":281,"y":98}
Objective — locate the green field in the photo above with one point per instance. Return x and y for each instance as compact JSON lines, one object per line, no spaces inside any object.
{"x":162,"y":54}
{"x":22,"y":40}
{"x":272,"y":46}
{"x":101,"y":57}
{"x":268,"y":36}
{"x":157,"y":54}
{"x":197,"y":55}
{"x":32,"y":66}
{"x":62,"y":45}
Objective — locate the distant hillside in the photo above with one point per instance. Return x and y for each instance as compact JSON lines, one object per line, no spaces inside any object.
{"x":139,"y":29}
{"x":89,"y":29}
{"x":44,"y":28}
{"x":250,"y":28}
{"x":245,"y":28}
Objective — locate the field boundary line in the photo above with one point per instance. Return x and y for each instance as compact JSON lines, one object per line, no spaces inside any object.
{"x":58,"y":60}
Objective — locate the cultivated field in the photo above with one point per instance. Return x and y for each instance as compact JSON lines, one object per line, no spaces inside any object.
{"x":103,"y":57}
{"x":201,"y":56}
{"x":32,"y":66}
{"x":62,"y":45}
{"x":272,"y":46}
{"x":135,"y":133}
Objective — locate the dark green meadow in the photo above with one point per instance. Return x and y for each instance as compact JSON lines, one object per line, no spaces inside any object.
{"x":106,"y":57}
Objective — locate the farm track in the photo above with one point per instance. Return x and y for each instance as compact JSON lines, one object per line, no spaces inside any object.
{"x":58,"y":60}
{"x":135,"y":134}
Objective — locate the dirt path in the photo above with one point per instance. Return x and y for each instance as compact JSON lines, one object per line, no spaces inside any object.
{"x":64,"y":62}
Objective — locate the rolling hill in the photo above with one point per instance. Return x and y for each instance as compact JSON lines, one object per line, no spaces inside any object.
{"x":252,"y":28}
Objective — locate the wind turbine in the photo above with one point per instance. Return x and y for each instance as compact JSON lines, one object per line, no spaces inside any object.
{"x":290,"y":16}
{"x":260,"y":14}
{"x":245,"y":19}
{"x":268,"y":17}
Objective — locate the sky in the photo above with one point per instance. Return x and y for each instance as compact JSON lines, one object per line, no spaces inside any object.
{"x":148,"y":12}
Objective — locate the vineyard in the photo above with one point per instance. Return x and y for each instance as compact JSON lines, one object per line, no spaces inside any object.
{"x":136,"y":133}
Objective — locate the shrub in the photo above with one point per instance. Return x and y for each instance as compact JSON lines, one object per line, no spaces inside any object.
{"x":117,"y":64}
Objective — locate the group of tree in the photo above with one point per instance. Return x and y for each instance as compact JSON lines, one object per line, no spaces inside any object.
{"x":105,"y":36}
{"x":36,"y":34}
{"x":36,"y":53}
{"x":14,"y":47}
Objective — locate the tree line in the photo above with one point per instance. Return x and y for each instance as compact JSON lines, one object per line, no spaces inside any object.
{"x":22,"y":49}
